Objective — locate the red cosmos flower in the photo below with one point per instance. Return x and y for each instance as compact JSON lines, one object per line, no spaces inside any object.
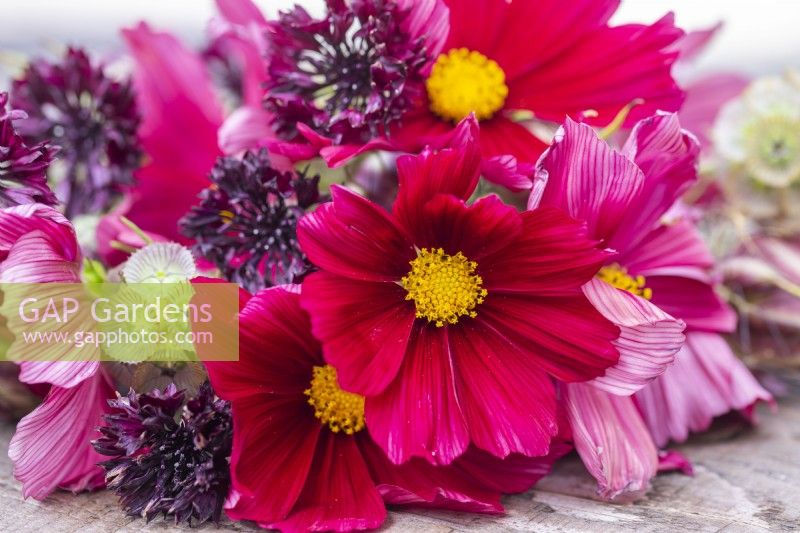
{"x":571,"y":61}
{"x":545,"y":58}
{"x":301,"y":459}
{"x":449,"y":317}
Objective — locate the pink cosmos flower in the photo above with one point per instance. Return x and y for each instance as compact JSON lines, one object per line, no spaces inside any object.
{"x":450,"y":318}
{"x":660,"y":272}
{"x":51,"y":447}
{"x":301,"y":459}
{"x":573,"y":63}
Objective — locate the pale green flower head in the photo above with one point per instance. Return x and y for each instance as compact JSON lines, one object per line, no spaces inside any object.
{"x":160,"y":262}
{"x":761,"y":130}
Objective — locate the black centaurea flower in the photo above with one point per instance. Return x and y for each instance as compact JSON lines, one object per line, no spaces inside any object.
{"x":246,"y":222}
{"x":23,"y":168}
{"x":91,"y":117}
{"x":348,"y":75}
{"x":169,"y":459}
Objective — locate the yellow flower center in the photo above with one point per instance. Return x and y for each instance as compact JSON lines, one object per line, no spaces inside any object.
{"x":443,"y":287}
{"x":464,"y":81}
{"x":618,"y":277}
{"x":340,"y":410}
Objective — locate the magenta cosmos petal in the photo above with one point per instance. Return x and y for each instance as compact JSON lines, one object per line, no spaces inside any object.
{"x":706,"y":381}
{"x":588,"y":179}
{"x":668,"y":247}
{"x":52,"y":446}
{"x":340,"y":470}
{"x":648,"y":341}
{"x":611,"y":439}
{"x":548,"y":341}
{"x":267,"y":392}
{"x":181,"y":116}
{"x":509,"y":150}
{"x":270,"y":311}
{"x":605,"y":71}
{"x":419,"y":413}
{"x":495,"y":28}
{"x":269,"y":468}
{"x":477,"y":230}
{"x":453,"y":171}
{"x":365,"y":326}
{"x":428,"y":19}
{"x":550,"y":256}
{"x":516,"y":473}
{"x":508,"y":403}
{"x":421,"y":484}
{"x":672,"y":460}
{"x":247,"y":127}
{"x":37,"y":245}
{"x":241,"y":12}
{"x":667,"y":155}
{"x":377,"y":249}
{"x":689,"y":294}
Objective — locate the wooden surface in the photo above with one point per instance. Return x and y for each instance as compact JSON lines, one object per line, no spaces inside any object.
{"x":745,"y":480}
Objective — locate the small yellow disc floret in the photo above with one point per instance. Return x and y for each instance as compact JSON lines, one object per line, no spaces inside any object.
{"x":340,"y":410}
{"x":618,"y":276}
{"x":444,"y":287}
{"x":463,"y":82}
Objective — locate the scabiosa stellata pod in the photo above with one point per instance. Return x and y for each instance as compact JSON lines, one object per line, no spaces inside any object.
{"x":246,"y":221}
{"x":349,"y":74}
{"x":23,"y":168}
{"x":169,"y":459}
{"x":92,"y":117}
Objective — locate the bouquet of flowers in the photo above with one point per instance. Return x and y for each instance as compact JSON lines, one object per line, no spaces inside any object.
{"x":462,"y":241}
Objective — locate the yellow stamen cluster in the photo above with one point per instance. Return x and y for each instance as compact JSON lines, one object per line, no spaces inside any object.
{"x":340,"y":410}
{"x":464,"y":81}
{"x":226,"y":216}
{"x":444,"y":287}
{"x":618,"y":276}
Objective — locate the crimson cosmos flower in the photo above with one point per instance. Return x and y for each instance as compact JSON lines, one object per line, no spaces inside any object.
{"x":450,"y":318}
{"x":301,"y":459}
{"x":571,"y":62}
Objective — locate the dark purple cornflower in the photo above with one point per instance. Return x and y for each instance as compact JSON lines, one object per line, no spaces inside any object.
{"x":23,"y":168}
{"x":91,"y":117}
{"x":246,"y":222}
{"x":348,"y":75}
{"x":169,"y":459}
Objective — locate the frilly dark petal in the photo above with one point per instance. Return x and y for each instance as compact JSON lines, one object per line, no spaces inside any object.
{"x":169,"y":459}
{"x":92,"y":118}
{"x":246,"y":222}
{"x":349,"y":75}
{"x":23,"y":167}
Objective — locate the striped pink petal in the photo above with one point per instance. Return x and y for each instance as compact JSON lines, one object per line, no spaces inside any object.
{"x":706,"y":381}
{"x":648,"y":341}
{"x":611,"y":439}
{"x":52,"y":446}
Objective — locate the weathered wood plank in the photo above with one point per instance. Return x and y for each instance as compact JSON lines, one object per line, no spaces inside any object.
{"x":746,"y":480}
